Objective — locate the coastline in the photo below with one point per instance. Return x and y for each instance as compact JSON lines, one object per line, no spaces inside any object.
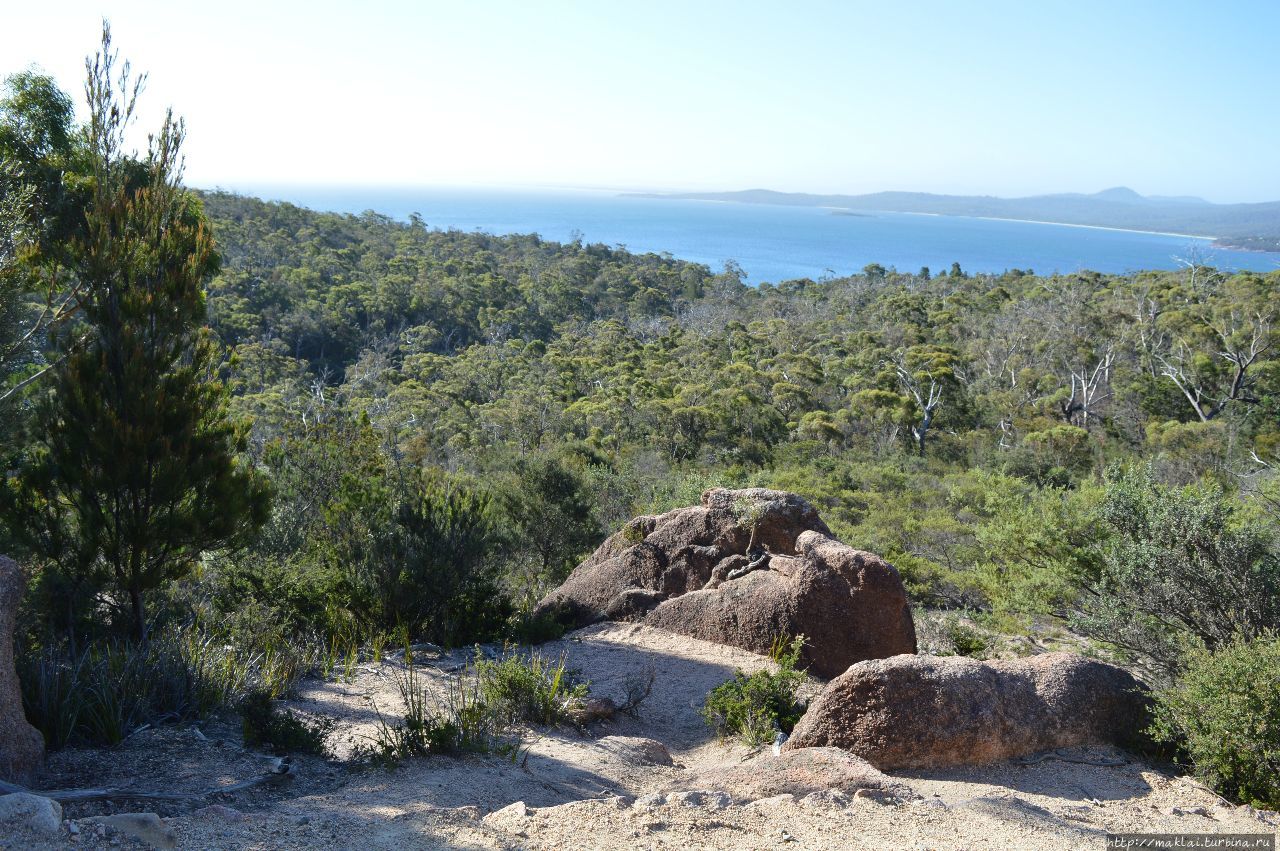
{"x":1066,"y":225}
{"x":1210,"y":237}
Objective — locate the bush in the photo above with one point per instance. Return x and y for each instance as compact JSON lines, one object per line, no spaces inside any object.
{"x":524,"y":627}
{"x":103,"y":693}
{"x":1224,"y":713}
{"x":284,"y":732}
{"x":755,"y":707}
{"x":966,"y":640}
{"x":529,"y":689}
{"x":1182,"y":567}
{"x":461,"y":722}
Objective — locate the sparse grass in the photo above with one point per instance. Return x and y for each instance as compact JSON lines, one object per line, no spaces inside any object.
{"x":755,"y":707}
{"x":101,"y":694}
{"x":460,"y":723}
{"x":479,"y":710}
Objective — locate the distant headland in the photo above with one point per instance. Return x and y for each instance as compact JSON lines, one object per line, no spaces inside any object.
{"x":1242,"y":226}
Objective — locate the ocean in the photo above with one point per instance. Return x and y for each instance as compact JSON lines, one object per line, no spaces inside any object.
{"x":777,"y":243}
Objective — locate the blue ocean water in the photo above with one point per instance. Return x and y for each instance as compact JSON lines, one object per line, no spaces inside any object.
{"x":777,"y":243}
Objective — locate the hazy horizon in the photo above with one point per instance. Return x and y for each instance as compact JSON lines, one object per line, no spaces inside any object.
{"x":1008,"y":100}
{"x":250,"y":187}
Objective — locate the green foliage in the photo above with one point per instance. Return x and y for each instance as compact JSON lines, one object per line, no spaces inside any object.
{"x":524,"y":627}
{"x":98,"y":695}
{"x":131,"y":473}
{"x":461,"y":722}
{"x":283,"y":731}
{"x":552,"y":523}
{"x":433,"y":570}
{"x":528,"y":688}
{"x":1180,"y":567}
{"x":754,"y":707}
{"x":1224,"y":713}
{"x":1035,"y":545}
{"x":966,"y":640}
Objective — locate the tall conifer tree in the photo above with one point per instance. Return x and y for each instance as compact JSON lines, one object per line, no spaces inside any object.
{"x":134,"y":471}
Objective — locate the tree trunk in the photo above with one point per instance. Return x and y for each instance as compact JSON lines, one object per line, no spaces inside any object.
{"x":139,"y":615}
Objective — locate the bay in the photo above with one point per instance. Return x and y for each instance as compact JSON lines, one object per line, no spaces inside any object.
{"x":777,"y":243}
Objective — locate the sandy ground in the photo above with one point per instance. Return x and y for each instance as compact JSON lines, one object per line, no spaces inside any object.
{"x":570,"y":789}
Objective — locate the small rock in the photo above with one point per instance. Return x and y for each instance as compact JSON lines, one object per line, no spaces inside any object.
{"x":877,"y":796}
{"x":1186,"y":811}
{"x":826,"y":798}
{"x":714,"y":800}
{"x":773,"y":800}
{"x":148,"y":828}
{"x":634,"y":750}
{"x":648,"y":802}
{"x":930,"y":804}
{"x":73,"y":828}
{"x":689,"y":798}
{"x":787,"y":837}
{"x":304,"y":820}
{"x":516,"y":810}
{"x":31,"y":811}
{"x":591,"y":709}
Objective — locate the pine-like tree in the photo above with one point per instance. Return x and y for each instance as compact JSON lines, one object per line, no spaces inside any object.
{"x":134,"y":473}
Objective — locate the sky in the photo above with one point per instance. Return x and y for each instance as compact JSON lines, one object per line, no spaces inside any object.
{"x":999,"y":98}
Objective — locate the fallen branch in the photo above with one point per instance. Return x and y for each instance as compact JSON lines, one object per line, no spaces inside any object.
{"x":282,"y":769}
{"x":78,"y":796}
{"x":1065,"y":757}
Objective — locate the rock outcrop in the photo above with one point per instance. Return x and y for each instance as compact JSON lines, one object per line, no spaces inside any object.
{"x":21,"y":745}
{"x":931,"y":711}
{"x":744,"y":568}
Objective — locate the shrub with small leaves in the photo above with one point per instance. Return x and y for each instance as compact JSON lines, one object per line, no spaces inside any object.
{"x":283,"y":731}
{"x":966,"y":640}
{"x":528,"y":688}
{"x":1224,"y":714}
{"x":754,"y":707}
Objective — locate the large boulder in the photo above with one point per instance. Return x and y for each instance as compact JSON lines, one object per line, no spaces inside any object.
{"x":689,"y":571}
{"x":929,"y":711}
{"x":21,"y":745}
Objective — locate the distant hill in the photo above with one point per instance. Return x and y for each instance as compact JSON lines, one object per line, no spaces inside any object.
{"x":1253,"y":226}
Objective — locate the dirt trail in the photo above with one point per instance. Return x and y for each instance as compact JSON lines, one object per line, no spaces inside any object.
{"x":568,"y":790}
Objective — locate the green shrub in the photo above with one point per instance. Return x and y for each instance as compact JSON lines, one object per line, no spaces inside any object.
{"x":524,"y":627}
{"x":1183,"y":566}
{"x":1224,"y":713}
{"x":101,"y":694}
{"x":528,"y":688}
{"x":284,"y":732}
{"x":966,"y":640}
{"x":461,"y":722}
{"x":754,"y":707}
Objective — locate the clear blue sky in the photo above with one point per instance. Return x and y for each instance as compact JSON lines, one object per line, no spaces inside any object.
{"x":1004,"y":98}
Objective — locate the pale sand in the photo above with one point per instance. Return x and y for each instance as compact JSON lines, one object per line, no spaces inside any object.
{"x":580,"y":795}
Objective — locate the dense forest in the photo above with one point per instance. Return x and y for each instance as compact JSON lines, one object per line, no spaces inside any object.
{"x":350,"y":426}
